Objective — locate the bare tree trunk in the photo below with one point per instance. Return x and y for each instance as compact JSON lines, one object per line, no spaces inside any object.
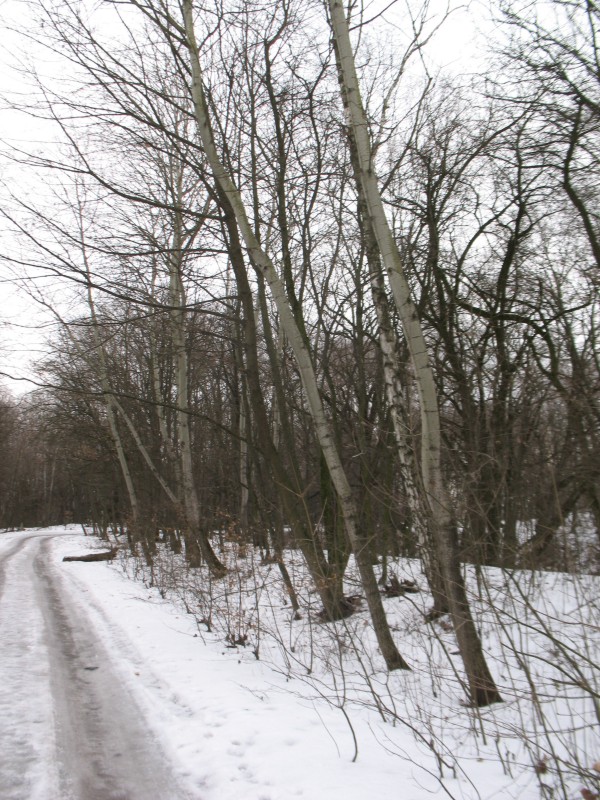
{"x":288,"y":485}
{"x":481,"y":684}
{"x":196,"y":535}
{"x":244,"y":429}
{"x":135,"y":536}
{"x":263,"y":264}
{"x":167,"y":444}
{"x":388,"y":342}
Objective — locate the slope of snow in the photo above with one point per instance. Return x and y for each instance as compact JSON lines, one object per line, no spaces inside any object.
{"x":304,"y":709}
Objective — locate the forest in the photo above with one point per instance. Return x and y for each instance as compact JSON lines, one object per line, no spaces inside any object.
{"x":313,"y":294}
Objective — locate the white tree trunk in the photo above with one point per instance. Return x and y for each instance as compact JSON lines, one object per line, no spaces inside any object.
{"x":481,"y":685}
{"x":262,"y":262}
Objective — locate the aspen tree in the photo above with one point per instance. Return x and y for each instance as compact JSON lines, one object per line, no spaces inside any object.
{"x":264,"y":265}
{"x":482,"y":688}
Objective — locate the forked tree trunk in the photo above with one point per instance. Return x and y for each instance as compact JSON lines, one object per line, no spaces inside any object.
{"x":265,"y":266}
{"x":134,"y":535}
{"x":167,"y":446}
{"x":482,"y":688}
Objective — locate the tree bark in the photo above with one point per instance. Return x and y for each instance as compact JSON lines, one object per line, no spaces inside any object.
{"x":482,"y":688}
{"x":263,"y":264}
{"x":195,"y":530}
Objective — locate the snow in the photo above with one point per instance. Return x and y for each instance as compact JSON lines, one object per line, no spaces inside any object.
{"x":304,"y":709}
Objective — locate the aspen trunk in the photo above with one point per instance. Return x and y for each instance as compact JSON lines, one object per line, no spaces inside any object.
{"x":482,"y":688}
{"x":265,"y":266}
{"x":289,"y":489}
{"x":389,"y":345}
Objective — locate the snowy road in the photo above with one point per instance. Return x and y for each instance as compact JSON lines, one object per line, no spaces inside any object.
{"x":69,"y":730}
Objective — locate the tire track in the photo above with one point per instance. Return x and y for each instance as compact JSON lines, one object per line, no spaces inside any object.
{"x":26,"y":715}
{"x":81,"y":735}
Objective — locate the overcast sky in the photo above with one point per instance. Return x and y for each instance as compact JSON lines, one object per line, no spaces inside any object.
{"x":457,"y":47}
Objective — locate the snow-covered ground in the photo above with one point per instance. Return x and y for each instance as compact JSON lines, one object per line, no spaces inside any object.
{"x":111,"y":683}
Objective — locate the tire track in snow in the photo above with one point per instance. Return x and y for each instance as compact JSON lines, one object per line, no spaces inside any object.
{"x":94,"y":742}
{"x":26,"y":716}
{"x":12,"y":550}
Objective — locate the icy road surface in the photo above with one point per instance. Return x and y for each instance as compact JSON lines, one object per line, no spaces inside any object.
{"x":69,"y":730}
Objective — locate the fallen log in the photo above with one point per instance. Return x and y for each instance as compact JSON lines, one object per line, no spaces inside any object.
{"x":396,"y":588}
{"x":104,"y":555}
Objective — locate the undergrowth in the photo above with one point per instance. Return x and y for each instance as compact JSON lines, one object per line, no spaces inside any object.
{"x":540,"y":632}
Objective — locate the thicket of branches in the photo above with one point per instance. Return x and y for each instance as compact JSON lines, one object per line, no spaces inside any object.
{"x":330,"y":303}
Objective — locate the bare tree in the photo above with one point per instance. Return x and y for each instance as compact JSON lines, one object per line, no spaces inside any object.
{"x":481,"y":684}
{"x":265,"y":266}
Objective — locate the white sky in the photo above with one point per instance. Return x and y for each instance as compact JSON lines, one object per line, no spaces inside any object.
{"x":23,"y":326}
